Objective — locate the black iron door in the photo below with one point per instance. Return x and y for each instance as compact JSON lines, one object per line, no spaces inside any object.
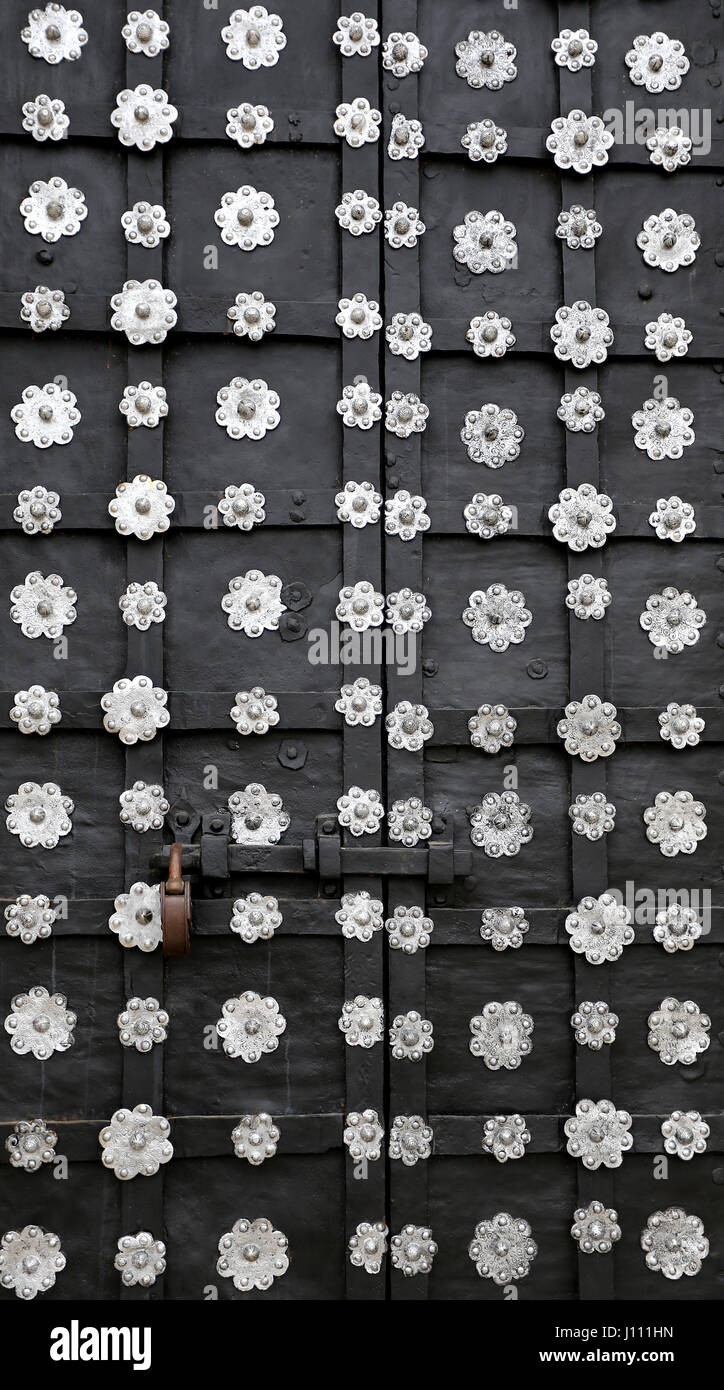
{"x":361,"y":350}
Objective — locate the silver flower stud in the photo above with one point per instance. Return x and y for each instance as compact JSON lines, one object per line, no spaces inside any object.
{"x":505,"y":1137}
{"x":592,"y":815}
{"x":684,"y":1134}
{"x":145,"y":224}
{"x":410,"y":1139}
{"x":504,"y":927}
{"x":485,"y":60}
{"x":143,"y":117}
{"x":403,"y":54}
{"x":409,"y":821}
{"x":249,"y":125}
{"x":408,"y":335}
{"x":669,"y":240}
{"x":676,"y":928}
{"x":662,"y":428}
{"x":656,"y":62}
{"x":43,"y":605}
{"x":669,"y":148}
{"x":408,"y":726}
{"x":358,"y":212}
{"x":581,"y":334}
{"x":486,"y":516}
{"x":30,"y":919}
{"x":363,"y":1135}
{"x":242,"y":506}
{"x":598,"y":1134}
{"x":581,"y":410}
{"x":403,"y":226}
{"x":45,"y":119}
{"x":579,"y":142}
{"x":588,"y":597}
{"x":143,"y":405}
{"x":501,"y":1035}
{"x":484,"y":140}
{"x":407,"y":611}
{"x":574,"y":49}
{"x":490,"y":334}
{"x":54,"y":34}
{"x":255,"y":918}
{"x":360,"y":916}
{"x":141,"y":1260}
{"x":356,"y":35}
{"x":485,"y":241}
{"x":252,"y":315}
{"x":675,"y":822}
{"x":31,"y":1258}
{"x":406,"y":137}
{"x":142,"y":605}
{"x":590,"y":729}
{"x":678,"y":1031}
{"x":39,"y":815}
{"x":360,"y":406}
{"x":135,"y":1143}
{"x":362,"y":1021}
{"x":250,"y":1026}
{"x":136,"y":920}
{"x":582,"y":517}
{"x":413,"y":1250}
{"x":368,"y":1246}
{"x":360,"y":811}
{"x":594,"y":1025}
{"x":359,"y":504}
{"x":599,"y":929}
{"x":36,"y":710}
{"x":578,"y":227}
{"x":680,"y":725}
{"x":253,"y":603}
{"x":135,"y":709}
{"x":247,"y":218}
{"x":40,"y":1023}
{"x":257,"y":816}
{"x":44,"y":309}
{"x":497,"y":616}
{"x":360,"y":702}
{"x":253,"y":1254}
{"x":142,"y":1024}
{"x":503,"y":1248}
{"x":409,"y":930}
{"x":492,"y":435}
{"x":46,"y":415}
{"x":358,"y":317}
{"x":491,"y":728}
{"x":668,"y":337}
{"x":255,"y":38}
{"x":247,"y":409}
{"x":672,"y":619}
{"x":255,"y":1138}
{"x":144,"y":311}
{"x":31,"y":1144}
{"x":406,"y":515}
{"x":595,"y":1228}
{"x":145,"y":32}
{"x":674,"y":1243}
{"x":255,"y":712}
{"x":360,"y":606}
{"x":143,"y":807}
{"x":52,"y":209}
{"x":405,"y":414}
{"x":499,"y":824}
{"x":141,"y":507}
{"x":357,"y":122}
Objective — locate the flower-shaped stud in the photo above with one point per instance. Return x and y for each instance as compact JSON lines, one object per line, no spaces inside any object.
{"x":368,"y":1246}
{"x":30,"y":919}
{"x":255,"y":38}
{"x":252,"y":315}
{"x":248,"y":125}
{"x":143,"y":405}
{"x":675,"y":822}
{"x":592,"y":815}
{"x":31,"y":1258}
{"x":497,"y":616}
{"x":143,"y":117}
{"x":362,"y":1021}
{"x":578,"y":227}
{"x":30,"y":1145}
{"x":357,"y":122}
{"x":485,"y":241}
{"x":409,"y":821}
{"x":590,"y":729}
{"x":145,"y":224}
{"x":595,"y":1228}
{"x":360,"y":702}
{"x":403,"y":54}
{"x":492,"y":435}
{"x":255,"y":918}
{"x":501,"y":1035}
{"x":145,"y":32}
{"x":360,"y":916}
{"x":135,"y":709}
{"x":257,"y":816}
{"x":684,"y":1134}
{"x":662,"y":428}
{"x":674,"y":1243}
{"x":409,"y":930}
{"x":363,"y":1135}
{"x":408,"y":335}
{"x":255,"y":1138}
{"x":484,"y":140}
{"x":247,"y":409}
{"x":44,"y":118}
{"x":242,"y":506}
{"x":582,"y":517}
{"x":253,"y":603}
{"x":413,"y":1250}
{"x":403,"y":226}
{"x":39,"y":815}
{"x":143,"y":604}
{"x":247,"y":218}
{"x":598,"y":1134}
{"x":356,"y":35}
{"x":360,"y":606}
{"x":360,"y":811}
{"x":36,"y":710}
{"x":54,"y":34}
{"x":505,"y":1137}
{"x":360,"y":406}
{"x":52,"y":209}
{"x":503,"y":1248}
{"x":669,"y":148}
{"x":581,"y":334}
{"x":141,"y":507}
{"x":359,"y":504}
{"x":680,"y":725}
{"x":491,"y":728}
{"x":485,"y":60}
{"x":46,"y":415}
{"x":144,"y":311}
{"x":407,"y":611}
{"x":141,"y":1260}
{"x":406,"y":515}
{"x":678,"y":1031}
{"x":487,"y":516}
{"x":669,"y":240}
{"x":408,"y":726}
{"x":43,"y":308}
{"x":135,"y":1142}
{"x":143,"y":807}
{"x":255,"y":712}
{"x":136,"y":920}
{"x":656,"y":62}
{"x":40,"y":1023}
{"x":503,"y":927}
{"x":142,"y":1024}
{"x":410,"y":1139}
{"x":406,"y":138}
{"x":579,"y":142}
{"x":499,"y":824}
{"x":588,"y":597}
{"x":490,"y":334}
{"x":358,"y":212}
{"x":672,"y":619}
{"x":358,"y":317}
{"x":574,"y":49}
{"x":668,"y":337}
{"x":253,"y":1254}
{"x":581,"y":410}
{"x":594,"y":1025}
{"x":250,"y":1026}
{"x":676,"y":928}
{"x":599,"y":929}
{"x":405,"y":414}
